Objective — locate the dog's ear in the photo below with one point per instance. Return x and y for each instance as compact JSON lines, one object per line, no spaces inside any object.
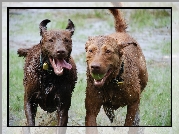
{"x":123,"y":45}
{"x":70,"y":27}
{"x":88,"y":42}
{"x":42,"y":26}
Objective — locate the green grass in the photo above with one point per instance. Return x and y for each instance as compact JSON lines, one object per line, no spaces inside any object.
{"x":164,"y":47}
{"x":77,"y":103}
{"x":138,"y":18}
{"x":16,"y":89}
{"x":58,"y":20}
{"x":80,"y":59}
{"x":156,"y":98}
{"x":143,"y":18}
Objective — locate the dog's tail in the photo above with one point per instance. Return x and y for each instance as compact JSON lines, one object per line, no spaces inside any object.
{"x":120,"y":24}
{"x":22,"y":52}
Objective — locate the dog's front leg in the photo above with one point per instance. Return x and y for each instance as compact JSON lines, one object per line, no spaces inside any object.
{"x":132,"y":117}
{"x":62,"y":110}
{"x":90,"y":120}
{"x":93,"y":106}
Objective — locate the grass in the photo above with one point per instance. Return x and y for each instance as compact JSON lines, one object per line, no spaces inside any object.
{"x":143,"y":18}
{"x":77,"y":103}
{"x":156,"y":98}
{"x":138,"y":19}
{"x":80,"y":59}
{"x":16,"y":89}
{"x":24,"y":25}
{"x":163,"y":47}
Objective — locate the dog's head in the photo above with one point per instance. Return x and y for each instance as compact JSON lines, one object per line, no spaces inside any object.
{"x":103,"y":55}
{"x":57,"y":45}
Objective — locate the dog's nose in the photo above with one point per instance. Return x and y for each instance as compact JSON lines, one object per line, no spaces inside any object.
{"x":60,"y":52}
{"x":95,"y":67}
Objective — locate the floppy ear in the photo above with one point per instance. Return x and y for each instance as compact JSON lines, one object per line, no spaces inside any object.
{"x":70,"y":27}
{"x":88,"y":42}
{"x":123,"y":45}
{"x":42,"y":26}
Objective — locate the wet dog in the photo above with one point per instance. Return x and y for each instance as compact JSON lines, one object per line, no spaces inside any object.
{"x":49,"y":73}
{"x":116,"y":74}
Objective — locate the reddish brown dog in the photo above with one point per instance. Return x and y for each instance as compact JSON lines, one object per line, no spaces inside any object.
{"x":116,"y":74}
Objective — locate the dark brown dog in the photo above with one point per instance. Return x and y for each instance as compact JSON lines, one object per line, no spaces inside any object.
{"x":49,"y":74}
{"x":116,"y":74}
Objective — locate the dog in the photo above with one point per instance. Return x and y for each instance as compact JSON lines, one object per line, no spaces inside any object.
{"x":50,"y":73}
{"x":116,"y":74}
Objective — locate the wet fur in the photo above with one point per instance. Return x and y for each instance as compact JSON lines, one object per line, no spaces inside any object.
{"x":108,"y":53}
{"x":45,"y":88}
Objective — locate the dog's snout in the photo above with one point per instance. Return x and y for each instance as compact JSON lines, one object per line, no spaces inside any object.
{"x":61,"y":52}
{"x":95,"y":67}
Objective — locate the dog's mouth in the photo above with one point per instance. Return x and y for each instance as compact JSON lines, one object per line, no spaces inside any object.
{"x":58,"y":65}
{"x":99,"y":79}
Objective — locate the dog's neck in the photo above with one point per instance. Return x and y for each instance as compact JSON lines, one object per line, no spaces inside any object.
{"x":45,"y":63}
{"x":118,"y":80}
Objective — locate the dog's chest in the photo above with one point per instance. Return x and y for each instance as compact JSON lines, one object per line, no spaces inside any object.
{"x":46,"y":101}
{"x":115,"y":96}
{"x":52,"y":91}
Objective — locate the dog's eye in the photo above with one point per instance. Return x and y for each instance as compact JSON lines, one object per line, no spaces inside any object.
{"x":108,"y":51}
{"x":51,"y":40}
{"x":66,"y":40}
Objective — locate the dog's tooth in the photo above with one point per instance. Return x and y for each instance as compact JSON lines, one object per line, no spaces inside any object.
{"x":53,"y":61}
{"x":61,"y":70}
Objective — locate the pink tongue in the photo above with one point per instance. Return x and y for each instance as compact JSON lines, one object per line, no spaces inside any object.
{"x":63,"y":63}
{"x":59,"y":64}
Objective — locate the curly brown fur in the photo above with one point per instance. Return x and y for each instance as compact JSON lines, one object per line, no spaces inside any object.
{"x":49,"y":74}
{"x":112,"y":58}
